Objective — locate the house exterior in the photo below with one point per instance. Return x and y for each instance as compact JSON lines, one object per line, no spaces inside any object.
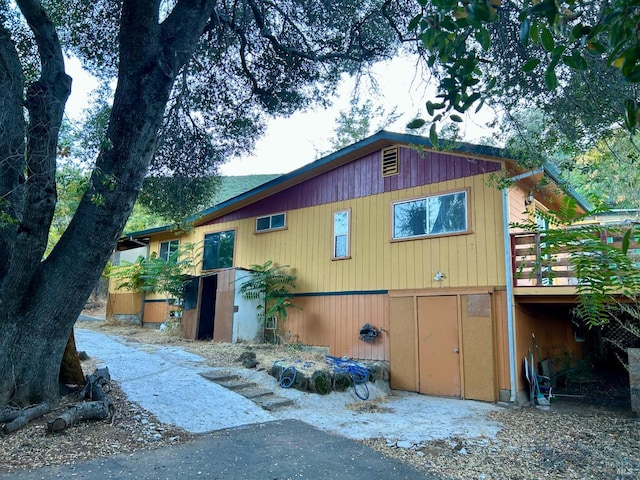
{"x":411,"y":240}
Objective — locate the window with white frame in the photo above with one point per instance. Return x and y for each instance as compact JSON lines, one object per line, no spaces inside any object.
{"x":168,"y":248}
{"x":271,"y":222}
{"x":433,"y":215}
{"x":341,"y":234}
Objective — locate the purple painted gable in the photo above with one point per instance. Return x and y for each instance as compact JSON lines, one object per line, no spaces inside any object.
{"x":362,"y":178}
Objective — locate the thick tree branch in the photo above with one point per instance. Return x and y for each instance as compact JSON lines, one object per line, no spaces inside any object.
{"x":12,"y":146}
{"x":26,"y":415}
{"x":45,"y":102}
{"x":308,"y":55}
{"x":150,"y":58}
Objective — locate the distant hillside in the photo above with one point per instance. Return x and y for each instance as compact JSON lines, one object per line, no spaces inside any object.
{"x":233,"y":186}
{"x":229,"y":187}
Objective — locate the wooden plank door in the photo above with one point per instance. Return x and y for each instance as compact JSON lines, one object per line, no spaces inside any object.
{"x":402,"y":344}
{"x":438,"y":346}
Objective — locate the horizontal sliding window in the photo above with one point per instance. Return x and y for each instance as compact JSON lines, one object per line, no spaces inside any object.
{"x":434,"y":215}
{"x":271,"y":222}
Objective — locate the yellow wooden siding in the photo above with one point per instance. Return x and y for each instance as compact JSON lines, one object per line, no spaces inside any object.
{"x":376,"y":263}
{"x":127,"y":303}
{"x":518,"y":212}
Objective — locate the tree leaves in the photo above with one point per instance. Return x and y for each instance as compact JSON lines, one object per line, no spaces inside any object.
{"x":274,"y":283}
{"x":530,"y":65}
{"x":455,"y":36}
{"x":416,"y":123}
{"x":550,"y":79}
{"x":557,"y":37}
{"x":546,"y":39}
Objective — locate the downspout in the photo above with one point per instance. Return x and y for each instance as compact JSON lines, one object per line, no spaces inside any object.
{"x":509,"y":272}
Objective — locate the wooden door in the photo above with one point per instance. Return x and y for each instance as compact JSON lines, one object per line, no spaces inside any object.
{"x":402,"y":344}
{"x":438,"y":346}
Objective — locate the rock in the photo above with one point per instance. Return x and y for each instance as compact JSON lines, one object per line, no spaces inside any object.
{"x":378,"y":371}
{"x":321,"y":382}
{"x":404,"y":444}
{"x":301,"y":382}
{"x":248,"y":359}
{"x":249,"y":363}
{"x":276,"y":370}
{"x":341,"y":381}
{"x":284,"y":374}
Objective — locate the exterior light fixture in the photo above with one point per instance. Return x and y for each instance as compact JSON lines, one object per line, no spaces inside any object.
{"x":528,"y":199}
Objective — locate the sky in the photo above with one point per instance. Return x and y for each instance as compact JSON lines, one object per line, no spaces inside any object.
{"x":292,"y":142}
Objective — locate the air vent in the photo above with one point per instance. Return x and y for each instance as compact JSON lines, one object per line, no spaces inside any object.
{"x":390,"y":161}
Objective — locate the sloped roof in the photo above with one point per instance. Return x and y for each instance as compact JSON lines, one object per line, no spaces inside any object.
{"x":348,"y":154}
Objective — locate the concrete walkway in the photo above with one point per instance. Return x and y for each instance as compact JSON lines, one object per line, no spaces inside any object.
{"x":312,"y":439}
{"x":166,"y":380}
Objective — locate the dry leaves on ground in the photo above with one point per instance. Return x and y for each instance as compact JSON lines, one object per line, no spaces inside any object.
{"x":131,"y":428}
{"x":558,"y":443}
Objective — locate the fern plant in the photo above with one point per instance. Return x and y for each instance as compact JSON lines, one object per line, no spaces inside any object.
{"x":157,"y":275}
{"x":273,"y":283}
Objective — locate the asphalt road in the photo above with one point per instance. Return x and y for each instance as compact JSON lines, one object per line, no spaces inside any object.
{"x":275,"y":450}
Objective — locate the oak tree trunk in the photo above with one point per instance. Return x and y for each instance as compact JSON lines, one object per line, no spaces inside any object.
{"x":70,"y":369}
{"x":40,"y":300}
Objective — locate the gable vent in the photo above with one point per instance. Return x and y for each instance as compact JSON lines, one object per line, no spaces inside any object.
{"x":390,"y":161}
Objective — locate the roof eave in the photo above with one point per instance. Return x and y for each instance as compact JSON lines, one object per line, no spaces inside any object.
{"x":345,"y":155}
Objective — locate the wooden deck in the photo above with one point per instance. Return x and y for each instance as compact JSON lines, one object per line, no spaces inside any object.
{"x":537,"y":270}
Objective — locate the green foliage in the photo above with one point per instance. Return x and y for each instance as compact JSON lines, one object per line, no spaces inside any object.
{"x":604,"y":171}
{"x":273,"y":283}
{"x":176,"y":198}
{"x":602,"y":269}
{"x":157,"y":275}
{"x":233,"y":186}
{"x":72,"y":183}
{"x":358,"y":122}
{"x":454,"y":35}
{"x":142,"y":219}
{"x":609,"y":171}
{"x":556,"y":41}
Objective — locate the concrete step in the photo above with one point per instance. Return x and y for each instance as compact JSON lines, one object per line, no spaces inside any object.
{"x":273,"y":402}
{"x":261,"y":396}
{"x":236,"y":384}
{"x":219,"y":376}
{"x":254,"y":392}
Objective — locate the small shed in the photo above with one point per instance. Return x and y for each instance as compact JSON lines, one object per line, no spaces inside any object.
{"x":214,"y":309}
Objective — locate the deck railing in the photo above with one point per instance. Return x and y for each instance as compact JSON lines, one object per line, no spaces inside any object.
{"x":532,"y":267}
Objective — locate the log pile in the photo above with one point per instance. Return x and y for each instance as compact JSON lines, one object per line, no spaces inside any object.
{"x":97,"y":406}
{"x":94,"y":404}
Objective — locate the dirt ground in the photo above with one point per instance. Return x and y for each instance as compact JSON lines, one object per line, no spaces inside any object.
{"x":567,"y":440}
